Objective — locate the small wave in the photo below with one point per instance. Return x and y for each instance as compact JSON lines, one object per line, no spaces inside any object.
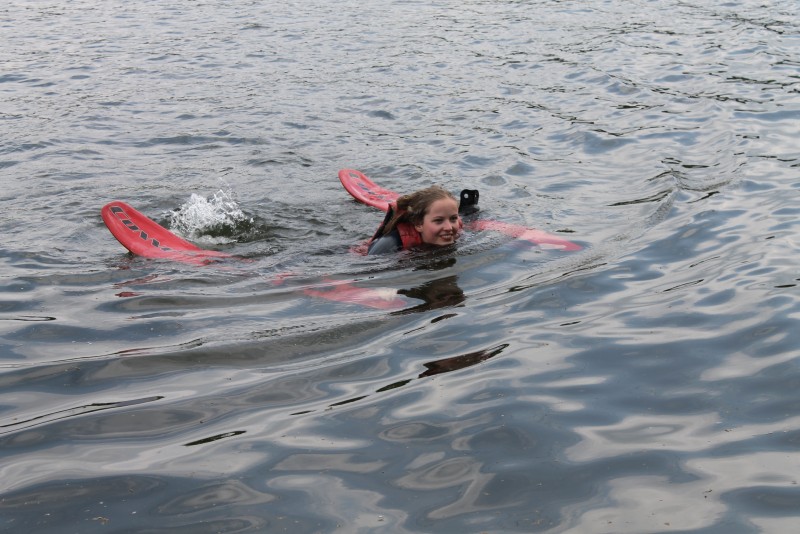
{"x":215,"y":220}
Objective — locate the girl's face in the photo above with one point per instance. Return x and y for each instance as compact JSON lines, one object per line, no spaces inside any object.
{"x":441,"y":224}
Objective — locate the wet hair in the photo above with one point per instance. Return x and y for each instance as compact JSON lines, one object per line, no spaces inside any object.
{"x":413,"y":207}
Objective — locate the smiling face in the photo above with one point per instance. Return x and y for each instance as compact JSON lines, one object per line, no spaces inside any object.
{"x":440,"y":225}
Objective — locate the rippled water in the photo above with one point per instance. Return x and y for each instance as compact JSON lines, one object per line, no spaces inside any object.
{"x":647,"y":383}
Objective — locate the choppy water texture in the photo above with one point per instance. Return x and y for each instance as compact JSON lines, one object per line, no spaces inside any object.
{"x":647,"y":383}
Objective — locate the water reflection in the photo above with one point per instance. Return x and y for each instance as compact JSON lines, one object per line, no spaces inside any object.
{"x":25,"y":424}
{"x":444,"y":365}
{"x":439,"y":293}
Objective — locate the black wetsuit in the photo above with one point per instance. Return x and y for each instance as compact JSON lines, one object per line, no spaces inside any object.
{"x":388,"y":243}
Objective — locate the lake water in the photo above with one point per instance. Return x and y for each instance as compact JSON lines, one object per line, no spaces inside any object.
{"x":649,"y":382}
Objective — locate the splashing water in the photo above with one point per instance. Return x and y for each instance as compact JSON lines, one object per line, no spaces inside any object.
{"x":216,"y":220}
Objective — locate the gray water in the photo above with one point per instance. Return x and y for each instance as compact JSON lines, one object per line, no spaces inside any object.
{"x":649,"y":382}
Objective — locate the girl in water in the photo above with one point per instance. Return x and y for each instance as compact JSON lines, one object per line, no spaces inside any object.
{"x":427,"y":217}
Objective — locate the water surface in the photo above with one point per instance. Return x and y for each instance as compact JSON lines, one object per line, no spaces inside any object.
{"x":647,"y":383}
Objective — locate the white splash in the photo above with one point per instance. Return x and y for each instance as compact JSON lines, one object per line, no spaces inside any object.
{"x":209,"y":220}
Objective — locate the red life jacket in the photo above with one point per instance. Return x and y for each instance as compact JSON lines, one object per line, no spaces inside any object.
{"x":409,"y":237}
